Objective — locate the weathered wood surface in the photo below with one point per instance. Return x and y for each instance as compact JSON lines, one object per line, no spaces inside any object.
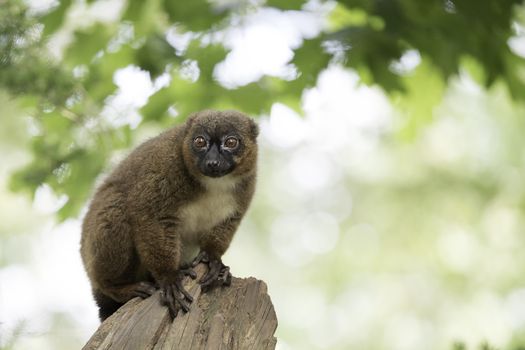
{"x":237,"y":317}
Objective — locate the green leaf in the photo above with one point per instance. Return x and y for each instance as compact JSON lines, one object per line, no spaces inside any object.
{"x":56,"y":124}
{"x":207,"y":57}
{"x":147,"y":16}
{"x":84,"y":167}
{"x":54,"y":19}
{"x":258,"y":97}
{"x":29,"y":177}
{"x":286,"y":4}
{"x":99,"y":81}
{"x":424,"y":89}
{"x":87,"y":43}
{"x":370,"y":53}
{"x":158,"y":104}
{"x":155,"y":54}
{"x":185,"y":95}
{"x":189,"y":97}
{"x":310,"y":59}
{"x":253,"y":98}
{"x":195,"y":15}
{"x":286,"y":92}
{"x":514,"y":76}
{"x":341,"y":17}
{"x":367,"y":5}
{"x":474,"y":68}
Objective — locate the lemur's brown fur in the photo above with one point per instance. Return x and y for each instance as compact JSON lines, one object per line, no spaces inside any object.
{"x":157,"y":209}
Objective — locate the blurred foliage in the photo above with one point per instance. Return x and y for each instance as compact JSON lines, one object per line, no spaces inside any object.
{"x":431,"y":184}
{"x":23,"y":69}
{"x":429,"y":235}
{"x":68,"y":94}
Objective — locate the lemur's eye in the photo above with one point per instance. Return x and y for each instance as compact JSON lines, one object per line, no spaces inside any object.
{"x":231,"y":142}
{"x":199,"y":142}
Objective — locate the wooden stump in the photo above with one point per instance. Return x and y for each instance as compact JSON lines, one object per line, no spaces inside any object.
{"x":240,"y":316}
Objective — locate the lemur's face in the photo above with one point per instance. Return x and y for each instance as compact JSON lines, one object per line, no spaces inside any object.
{"x":221,"y":143}
{"x":215,"y":152}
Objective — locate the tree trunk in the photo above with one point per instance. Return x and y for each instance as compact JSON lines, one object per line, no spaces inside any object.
{"x":240,"y":316}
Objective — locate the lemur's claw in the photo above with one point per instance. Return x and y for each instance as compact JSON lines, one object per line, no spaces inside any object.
{"x":173,"y":294}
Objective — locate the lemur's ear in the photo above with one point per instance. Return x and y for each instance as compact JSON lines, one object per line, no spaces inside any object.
{"x":254,"y":128}
{"x":191,"y":118}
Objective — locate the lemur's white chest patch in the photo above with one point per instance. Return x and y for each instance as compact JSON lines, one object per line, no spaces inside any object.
{"x":215,"y":205}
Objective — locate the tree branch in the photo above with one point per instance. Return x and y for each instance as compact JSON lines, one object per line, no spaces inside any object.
{"x":240,"y":316}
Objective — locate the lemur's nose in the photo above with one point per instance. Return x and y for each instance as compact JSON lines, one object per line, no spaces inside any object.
{"x":212,"y":164}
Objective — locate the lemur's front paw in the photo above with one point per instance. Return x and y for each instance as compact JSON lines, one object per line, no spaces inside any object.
{"x":225,"y":276}
{"x":218,"y":274}
{"x":173,"y":294}
{"x":142,"y":289}
{"x":202,"y":257}
{"x":187,"y":270}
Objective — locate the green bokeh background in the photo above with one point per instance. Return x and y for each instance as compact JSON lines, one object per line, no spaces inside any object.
{"x":390,"y":208}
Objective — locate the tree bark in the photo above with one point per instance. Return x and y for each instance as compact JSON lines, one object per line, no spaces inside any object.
{"x":240,"y":316}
